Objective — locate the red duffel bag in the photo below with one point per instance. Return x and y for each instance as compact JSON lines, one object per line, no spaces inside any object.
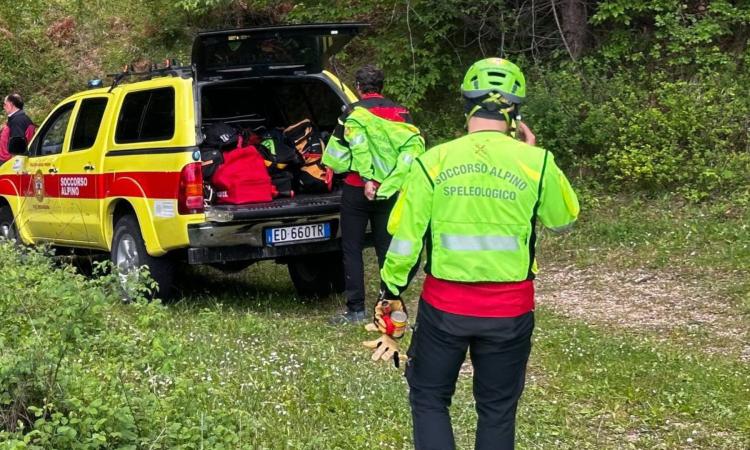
{"x":242,"y":178}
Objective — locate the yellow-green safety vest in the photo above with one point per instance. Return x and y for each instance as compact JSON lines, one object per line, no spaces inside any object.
{"x":475,"y":201}
{"x":376,"y":148}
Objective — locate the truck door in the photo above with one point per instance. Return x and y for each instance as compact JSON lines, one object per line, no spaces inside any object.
{"x":41,"y":204}
{"x":79,"y":168}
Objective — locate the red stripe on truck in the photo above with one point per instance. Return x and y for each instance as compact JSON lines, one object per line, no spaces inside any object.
{"x":162,"y":185}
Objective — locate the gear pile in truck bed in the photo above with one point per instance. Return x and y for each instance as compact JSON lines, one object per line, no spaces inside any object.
{"x":248,"y":164}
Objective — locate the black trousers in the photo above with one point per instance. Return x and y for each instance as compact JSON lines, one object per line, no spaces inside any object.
{"x":356,"y":212}
{"x":499,"y":349}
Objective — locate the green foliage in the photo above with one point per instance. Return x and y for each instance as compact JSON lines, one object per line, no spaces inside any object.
{"x":657,"y":103}
{"x":54,"y":323}
{"x":643,"y":131}
{"x":201,"y":6}
{"x":684,"y":35}
{"x":241,"y":363}
{"x":50,"y":49}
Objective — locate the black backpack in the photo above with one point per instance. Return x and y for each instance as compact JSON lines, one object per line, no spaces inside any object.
{"x":220,"y":136}
{"x":212,"y":159}
{"x":312,"y":177}
{"x":279,"y":153}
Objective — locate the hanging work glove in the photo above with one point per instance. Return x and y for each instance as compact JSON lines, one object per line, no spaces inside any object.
{"x":385,"y":348}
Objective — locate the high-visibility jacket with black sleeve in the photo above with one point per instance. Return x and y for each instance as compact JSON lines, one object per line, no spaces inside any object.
{"x":375,"y":147}
{"x":474,"y":202}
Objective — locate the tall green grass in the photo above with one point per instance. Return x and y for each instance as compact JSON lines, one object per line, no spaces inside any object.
{"x":242,"y":363}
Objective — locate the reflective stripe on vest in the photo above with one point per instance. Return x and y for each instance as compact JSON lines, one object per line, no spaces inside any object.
{"x":380,"y":164}
{"x":478,"y":243}
{"x":336,"y":153}
{"x":400,"y":247}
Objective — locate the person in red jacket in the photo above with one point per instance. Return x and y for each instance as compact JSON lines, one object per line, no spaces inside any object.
{"x":4,"y":139}
{"x":19,"y":125}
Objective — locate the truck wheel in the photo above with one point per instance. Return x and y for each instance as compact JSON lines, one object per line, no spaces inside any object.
{"x":7,"y":225}
{"x":310,"y":277}
{"x":335,"y":261}
{"x":317,"y":275}
{"x":129,"y":253}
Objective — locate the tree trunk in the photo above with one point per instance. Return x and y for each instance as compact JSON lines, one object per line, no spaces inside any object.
{"x":574,"y":25}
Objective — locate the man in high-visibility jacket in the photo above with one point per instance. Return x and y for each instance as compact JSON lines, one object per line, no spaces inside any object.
{"x":474,"y":202}
{"x":374,"y":145}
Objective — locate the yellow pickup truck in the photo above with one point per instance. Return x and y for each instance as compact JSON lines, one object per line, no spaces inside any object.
{"x":118,"y":169}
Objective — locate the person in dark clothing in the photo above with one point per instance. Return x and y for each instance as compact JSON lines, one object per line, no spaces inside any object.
{"x":19,"y":124}
{"x":372,"y":138}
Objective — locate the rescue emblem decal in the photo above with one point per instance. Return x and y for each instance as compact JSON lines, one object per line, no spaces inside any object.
{"x":39,"y":186}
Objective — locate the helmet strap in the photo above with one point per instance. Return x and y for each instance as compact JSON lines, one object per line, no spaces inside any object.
{"x":495,"y":109}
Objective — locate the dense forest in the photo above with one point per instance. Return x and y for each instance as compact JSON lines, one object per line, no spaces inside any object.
{"x":642,"y":95}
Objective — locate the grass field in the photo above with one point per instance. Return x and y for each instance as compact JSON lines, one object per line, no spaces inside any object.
{"x":241,"y":363}
{"x":588,"y":387}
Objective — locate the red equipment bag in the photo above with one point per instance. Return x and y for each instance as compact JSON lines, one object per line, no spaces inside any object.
{"x":242,"y":178}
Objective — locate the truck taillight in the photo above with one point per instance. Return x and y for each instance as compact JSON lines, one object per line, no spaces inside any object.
{"x":190,"y":197}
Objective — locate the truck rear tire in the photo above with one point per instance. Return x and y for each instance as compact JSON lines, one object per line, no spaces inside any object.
{"x":317,"y":275}
{"x":7,"y":225}
{"x":129,"y":253}
{"x":338,"y":278}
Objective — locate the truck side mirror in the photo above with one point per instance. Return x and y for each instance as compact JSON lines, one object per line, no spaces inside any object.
{"x":17,"y":146}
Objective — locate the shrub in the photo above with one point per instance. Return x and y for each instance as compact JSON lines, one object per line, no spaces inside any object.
{"x":55,"y":323}
{"x":646,"y":132}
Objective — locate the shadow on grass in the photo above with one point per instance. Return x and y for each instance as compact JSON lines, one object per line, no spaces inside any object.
{"x":262,"y":288}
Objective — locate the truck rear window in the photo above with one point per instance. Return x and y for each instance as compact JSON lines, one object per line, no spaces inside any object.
{"x":147,"y":116}
{"x":227,"y":52}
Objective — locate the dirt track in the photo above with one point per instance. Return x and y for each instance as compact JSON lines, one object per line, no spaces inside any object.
{"x":670,"y":304}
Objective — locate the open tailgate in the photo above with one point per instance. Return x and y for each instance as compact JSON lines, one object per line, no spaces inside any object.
{"x":273,"y":50}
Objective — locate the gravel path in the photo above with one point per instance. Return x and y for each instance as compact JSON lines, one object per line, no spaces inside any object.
{"x":670,"y":304}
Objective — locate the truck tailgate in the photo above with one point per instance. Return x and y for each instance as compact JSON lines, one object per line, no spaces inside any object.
{"x":300,"y":205}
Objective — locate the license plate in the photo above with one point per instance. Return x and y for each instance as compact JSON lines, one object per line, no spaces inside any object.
{"x":298,"y":233}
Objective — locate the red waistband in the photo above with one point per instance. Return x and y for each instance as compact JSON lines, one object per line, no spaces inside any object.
{"x":353,"y":179}
{"x":479,"y":299}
